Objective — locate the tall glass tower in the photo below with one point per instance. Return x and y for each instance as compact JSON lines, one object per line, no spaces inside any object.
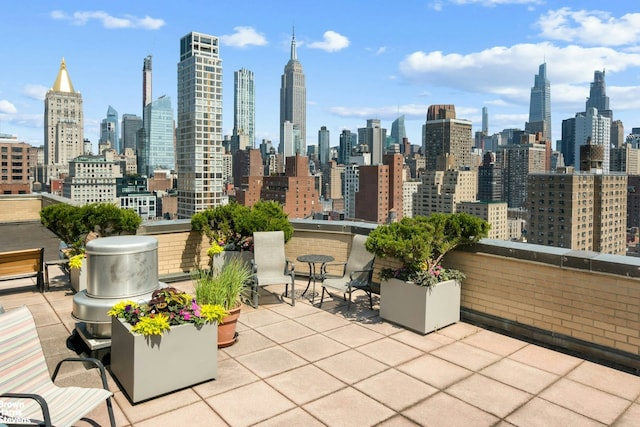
{"x":156,"y":149}
{"x":293,"y":102}
{"x":109,"y":129}
{"x":398,"y":130}
{"x":244,"y":105}
{"x":540,"y":104}
{"x":598,"y":98}
{"x":323,"y":145}
{"x":199,"y":150}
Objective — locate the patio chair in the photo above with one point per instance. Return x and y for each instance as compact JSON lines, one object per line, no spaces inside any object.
{"x":356,"y":273}
{"x":270,"y":266}
{"x":25,"y":383}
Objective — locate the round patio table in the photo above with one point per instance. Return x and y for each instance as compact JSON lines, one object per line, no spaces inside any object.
{"x":313,"y":260}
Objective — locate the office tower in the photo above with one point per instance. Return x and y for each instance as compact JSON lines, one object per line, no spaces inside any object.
{"x":443,"y":134}
{"x":580,"y":211}
{"x":199,"y":133}
{"x":517,"y":162}
{"x":63,"y":125}
{"x":398,"y":130}
{"x":246,"y":163}
{"x":348,"y":141}
{"x":592,"y":128}
{"x":293,"y":101}
{"x":395,"y":162}
{"x":372,"y":198}
{"x":265,"y":148}
{"x":495,"y":213}
{"x":291,"y":142}
{"x":244,"y":105}
{"x":323,"y":146}
{"x":17,"y":165}
{"x":146,"y":82}
{"x":489,"y":179}
{"x":442,"y":190}
{"x":156,"y":150}
{"x":617,"y":133}
{"x":109,"y":130}
{"x":598,"y":95}
{"x":131,"y":124}
{"x":92,"y":179}
{"x":350,"y":187}
{"x":540,"y":105}
{"x":485,"y":121}
{"x":374,"y":137}
{"x":568,"y":142}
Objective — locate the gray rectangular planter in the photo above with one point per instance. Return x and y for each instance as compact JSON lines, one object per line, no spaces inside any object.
{"x":147,"y":367}
{"x":420,"y":308}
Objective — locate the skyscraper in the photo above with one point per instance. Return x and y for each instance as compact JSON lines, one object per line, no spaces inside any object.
{"x":374,"y":136}
{"x":156,"y":150}
{"x":109,"y":130}
{"x":443,"y":134}
{"x":63,"y":125}
{"x":146,"y":82}
{"x":398,"y":130}
{"x":323,"y":145}
{"x":348,"y":141}
{"x":244,"y":104}
{"x":598,"y":95}
{"x":131,"y":124}
{"x":199,"y":133}
{"x":540,"y":104}
{"x":592,"y":128}
{"x":293,"y":102}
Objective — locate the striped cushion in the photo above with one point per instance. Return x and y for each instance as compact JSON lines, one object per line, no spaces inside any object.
{"x":23,"y":369}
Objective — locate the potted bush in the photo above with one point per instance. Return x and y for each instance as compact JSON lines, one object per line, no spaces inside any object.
{"x":224,"y":286}
{"x":148,"y":337}
{"x":420,"y":293}
{"x":77,"y":225}
{"x":232,"y":226}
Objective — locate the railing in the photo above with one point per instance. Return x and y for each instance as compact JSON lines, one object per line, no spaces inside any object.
{"x":580,"y":301}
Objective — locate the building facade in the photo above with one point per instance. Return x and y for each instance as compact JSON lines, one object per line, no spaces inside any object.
{"x":443,"y":134}
{"x":131,"y":124}
{"x":593,"y":128}
{"x":324,"y":142}
{"x":109,"y":133}
{"x":17,"y":165}
{"x":244,"y":105}
{"x":157,"y":149}
{"x":293,"y":104}
{"x":92,"y":179}
{"x":540,"y":105}
{"x":63,"y":125}
{"x":199,"y":131}
{"x":374,"y":137}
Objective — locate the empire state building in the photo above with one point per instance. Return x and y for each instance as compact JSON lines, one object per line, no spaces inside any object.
{"x":293,"y":107}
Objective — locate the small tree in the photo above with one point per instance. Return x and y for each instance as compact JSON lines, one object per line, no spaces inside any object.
{"x":420,"y":244}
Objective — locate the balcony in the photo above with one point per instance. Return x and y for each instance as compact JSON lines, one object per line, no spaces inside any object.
{"x":548,"y":337}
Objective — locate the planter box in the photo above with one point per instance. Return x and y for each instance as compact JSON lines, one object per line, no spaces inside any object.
{"x":422,"y":309}
{"x":78,"y":277}
{"x":148,"y":367}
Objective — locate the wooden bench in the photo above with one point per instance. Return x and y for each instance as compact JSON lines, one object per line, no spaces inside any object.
{"x":23,"y":263}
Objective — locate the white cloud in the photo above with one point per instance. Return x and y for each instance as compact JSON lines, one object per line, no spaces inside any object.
{"x":332,"y":42}
{"x":391,"y":112}
{"x":109,"y":21}
{"x":381,"y":50}
{"x":508,"y":72}
{"x":590,"y":27}
{"x":7,"y":107}
{"x":37,"y":92}
{"x":493,"y":3}
{"x":243,"y":37}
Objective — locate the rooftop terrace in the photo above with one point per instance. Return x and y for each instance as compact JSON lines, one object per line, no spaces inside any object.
{"x":304,"y":365}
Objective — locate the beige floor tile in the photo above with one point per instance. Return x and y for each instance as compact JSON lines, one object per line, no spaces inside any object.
{"x":353,"y":335}
{"x":607,"y":379}
{"x":270,"y":361}
{"x":322,"y":321}
{"x":286,"y":331}
{"x":250,"y":404}
{"x":154,"y":407}
{"x":445,"y":410}
{"x":434,"y":371}
{"x":541,"y":413}
{"x":198,"y":414}
{"x":396,"y":389}
{"x":43,"y":314}
{"x":348,"y":407}
{"x":585,"y":400}
{"x":630,"y":418}
{"x":458,"y":331}
{"x":425,"y":343}
{"x":350,"y":366}
{"x":489,"y":395}
{"x":381,"y":326}
{"x":398,"y":421}
{"x":263,"y":317}
{"x":294,"y":312}
{"x":231,"y":375}
{"x":390,"y":351}
{"x":465,"y":355}
{"x":494,"y":342}
{"x":519,"y":375}
{"x":305,"y":384}
{"x":546,"y":359}
{"x":99,"y":416}
{"x":315,"y":347}
{"x":294,"y":417}
{"x":248,"y":342}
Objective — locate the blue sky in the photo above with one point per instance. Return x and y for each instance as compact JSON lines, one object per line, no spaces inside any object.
{"x":362,"y":59}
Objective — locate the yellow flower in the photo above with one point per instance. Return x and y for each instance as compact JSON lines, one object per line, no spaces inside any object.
{"x":155,"y":325}
{"x":213,"y":312}
{"x":215,"y":249}
{"x":120,"y":308}
{"x":76,"y":261}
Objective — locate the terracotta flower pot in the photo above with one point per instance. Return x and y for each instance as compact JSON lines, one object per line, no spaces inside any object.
{"x":227,"y":328}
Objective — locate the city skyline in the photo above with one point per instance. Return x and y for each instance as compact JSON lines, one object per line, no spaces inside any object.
{"x":420,"y":54}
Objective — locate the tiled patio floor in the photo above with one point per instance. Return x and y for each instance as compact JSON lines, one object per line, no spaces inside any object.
{"x":306,"y":366}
